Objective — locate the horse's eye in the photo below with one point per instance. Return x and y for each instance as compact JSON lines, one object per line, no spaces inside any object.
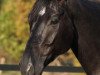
{"x":54,"y":19}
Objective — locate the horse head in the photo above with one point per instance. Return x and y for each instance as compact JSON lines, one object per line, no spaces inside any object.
{"x":51,"y":34}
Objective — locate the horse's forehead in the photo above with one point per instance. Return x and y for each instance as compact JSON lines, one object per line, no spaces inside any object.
{"x":52,"y":6}
{"x":42,"y":11}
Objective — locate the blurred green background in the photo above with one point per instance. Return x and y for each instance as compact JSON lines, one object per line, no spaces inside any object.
{"x":14,"y":33}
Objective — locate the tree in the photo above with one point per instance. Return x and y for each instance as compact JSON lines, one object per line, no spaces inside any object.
{"x":14,"y":27}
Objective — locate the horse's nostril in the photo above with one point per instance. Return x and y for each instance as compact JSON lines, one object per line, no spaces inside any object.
{"x":29,"y":66}
{"x":30,"y":69}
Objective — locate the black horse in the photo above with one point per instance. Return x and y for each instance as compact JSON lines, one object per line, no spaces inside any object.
{"x":56,"y":26}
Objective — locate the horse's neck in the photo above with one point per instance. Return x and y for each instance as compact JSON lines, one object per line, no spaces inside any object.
{"x":83,"y":5}
{"x":87,"y":16}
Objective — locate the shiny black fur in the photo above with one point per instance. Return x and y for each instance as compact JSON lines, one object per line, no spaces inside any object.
{"x":66,"y":24}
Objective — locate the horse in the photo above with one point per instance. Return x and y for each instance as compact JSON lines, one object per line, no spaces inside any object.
{"x":58,"y":25}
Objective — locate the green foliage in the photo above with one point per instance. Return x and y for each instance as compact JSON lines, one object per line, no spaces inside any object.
{"x":14,"y":27}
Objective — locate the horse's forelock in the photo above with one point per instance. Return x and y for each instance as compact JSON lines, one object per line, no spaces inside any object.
{"x":39,"y":4}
